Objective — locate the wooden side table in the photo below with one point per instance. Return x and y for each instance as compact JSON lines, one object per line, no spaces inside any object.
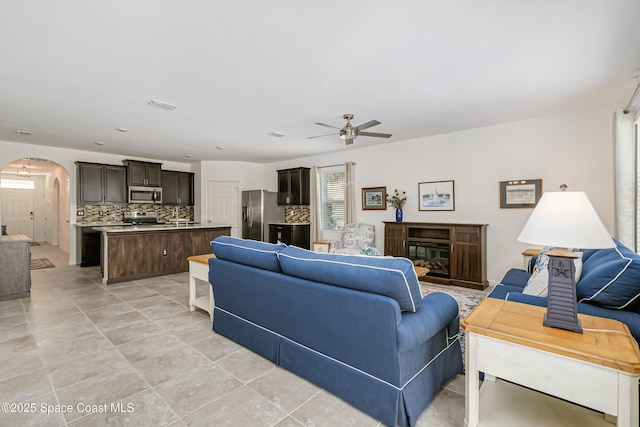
{"x":421,"y":271}
{"x":321,"y":247}
{"x":526,"y":256}
{"x":199,"y":269}
{"x":598,"y":369}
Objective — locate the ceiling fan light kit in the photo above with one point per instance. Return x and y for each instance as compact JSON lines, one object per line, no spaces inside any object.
{"x":349,"y":132}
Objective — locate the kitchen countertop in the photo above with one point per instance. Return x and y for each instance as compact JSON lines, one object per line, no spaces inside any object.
{"x":99,"y":224}
{"x":14,"y":238}
{"x":290,"y":223}
{"x":128,"y":224}
{"x":157,"y":227}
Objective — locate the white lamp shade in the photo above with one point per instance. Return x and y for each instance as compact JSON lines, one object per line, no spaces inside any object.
{"x":566,"y":219}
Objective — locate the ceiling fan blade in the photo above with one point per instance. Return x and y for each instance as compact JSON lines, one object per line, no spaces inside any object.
{"x":368,"y":125}
{"x":374,"y":134}
{"x":320,"y":136}
{"x":326,"y":125}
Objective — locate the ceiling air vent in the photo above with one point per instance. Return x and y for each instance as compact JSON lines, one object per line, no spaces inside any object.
{"x":277,"y":134}
{"x":162,"y":104}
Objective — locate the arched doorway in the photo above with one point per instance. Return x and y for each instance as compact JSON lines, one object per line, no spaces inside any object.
{"x":49,"y":215}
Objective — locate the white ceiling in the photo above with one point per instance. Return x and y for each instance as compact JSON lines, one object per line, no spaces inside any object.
{"x":73,"y":71}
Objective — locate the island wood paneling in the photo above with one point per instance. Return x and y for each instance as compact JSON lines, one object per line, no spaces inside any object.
{"x":136,"y":255}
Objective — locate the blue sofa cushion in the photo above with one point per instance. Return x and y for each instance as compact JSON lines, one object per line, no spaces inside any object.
{"x":611,"y":279}
{"x":248,"y":252}
{"x":392,"y":277}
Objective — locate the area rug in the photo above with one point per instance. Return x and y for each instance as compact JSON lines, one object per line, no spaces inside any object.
{"x":38,"y":263}
{"x":467,"y":300}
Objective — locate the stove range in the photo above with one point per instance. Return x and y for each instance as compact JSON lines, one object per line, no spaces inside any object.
{"x":140,"y":217}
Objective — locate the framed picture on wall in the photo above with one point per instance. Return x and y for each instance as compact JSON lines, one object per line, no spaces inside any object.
{"x":374,"y":198}
{"x":520,"y":193}
{"x":436,"y":196}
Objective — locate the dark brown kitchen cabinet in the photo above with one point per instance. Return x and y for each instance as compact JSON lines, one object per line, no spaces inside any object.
{"x":87,"y":247}
{"x":294,"y":186}
{"x":144,"y":174}
{"x":291,"y":234}
{"x":177,"y":188}
{"x":455,"y":254}
{"x":100,"y":184}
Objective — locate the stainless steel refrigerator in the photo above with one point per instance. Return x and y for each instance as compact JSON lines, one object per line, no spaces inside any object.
{"x":259,"y":208}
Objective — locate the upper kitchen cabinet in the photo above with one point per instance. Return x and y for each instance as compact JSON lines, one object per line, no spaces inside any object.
{"x":294,"y":186}
{"x":144,"y":174}
{"x":177,"y":188}
{"x":101,"y":184}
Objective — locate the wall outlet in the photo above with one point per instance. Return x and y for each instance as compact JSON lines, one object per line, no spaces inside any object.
{"x":80,"y":213}
{"x":101,"y":213}
{"x":164,"y":252}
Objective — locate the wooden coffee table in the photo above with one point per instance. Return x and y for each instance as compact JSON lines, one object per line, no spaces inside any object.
{"x":598,"y":369}
{"x":421,"y":271}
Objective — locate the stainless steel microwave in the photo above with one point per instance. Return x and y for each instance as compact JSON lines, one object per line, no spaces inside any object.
{"x":145,"y":194}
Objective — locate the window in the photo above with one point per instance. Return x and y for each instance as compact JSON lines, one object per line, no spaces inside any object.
{"x":332,"y":192}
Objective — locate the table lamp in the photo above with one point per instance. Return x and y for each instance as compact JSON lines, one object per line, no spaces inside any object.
{"x":564,"y":219}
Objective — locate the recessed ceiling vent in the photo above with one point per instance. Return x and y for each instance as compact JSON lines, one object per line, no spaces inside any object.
{"x":25,"y":132}
{"x":277,"y":134}
{"x":162,"y":104}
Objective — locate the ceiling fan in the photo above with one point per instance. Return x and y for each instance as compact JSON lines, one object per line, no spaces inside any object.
{"x":350,"y":132}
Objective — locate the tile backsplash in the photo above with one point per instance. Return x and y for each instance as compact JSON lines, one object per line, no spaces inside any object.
{"x":114,"y":213}
{"x":297,"y":213}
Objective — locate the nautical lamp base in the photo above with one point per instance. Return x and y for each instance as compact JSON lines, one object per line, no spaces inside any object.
{"x":562,"y":306}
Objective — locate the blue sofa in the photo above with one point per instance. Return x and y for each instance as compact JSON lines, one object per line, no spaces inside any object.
{"x":356,"y":326}
{"x":609,"y":286}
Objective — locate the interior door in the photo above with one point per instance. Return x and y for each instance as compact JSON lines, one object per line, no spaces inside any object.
{"x":17,"y":211}
{"x":222,"y":204}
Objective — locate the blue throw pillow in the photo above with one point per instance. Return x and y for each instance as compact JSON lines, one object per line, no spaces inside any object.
{"x":611,"y":279}
{"x":392,"y":277}
{"x":248,"y":252}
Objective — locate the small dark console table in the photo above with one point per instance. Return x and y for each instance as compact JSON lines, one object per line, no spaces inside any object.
{"x":15,"y":267}
{"x":455,"y":254}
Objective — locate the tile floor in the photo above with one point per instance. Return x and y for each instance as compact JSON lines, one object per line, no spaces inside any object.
{"x":137,"y":347}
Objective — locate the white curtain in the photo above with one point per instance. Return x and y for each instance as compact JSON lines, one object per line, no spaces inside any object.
{"x":625,"y":178}
{"x":316,"y":205}
{"x":350,"y":193}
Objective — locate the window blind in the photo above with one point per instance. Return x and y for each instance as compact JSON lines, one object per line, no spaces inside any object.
{"x":332,"y":181}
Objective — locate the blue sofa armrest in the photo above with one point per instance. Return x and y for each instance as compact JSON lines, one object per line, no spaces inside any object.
{"x":527,"y":299}
{"x":438,"y":310}
{"x":516,"y":277}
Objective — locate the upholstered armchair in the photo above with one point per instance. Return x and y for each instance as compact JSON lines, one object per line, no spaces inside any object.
{"x":355,"y":238}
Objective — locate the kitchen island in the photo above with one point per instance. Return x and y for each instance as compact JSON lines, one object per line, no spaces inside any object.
{"x":141,"y":251}
{"x":15,"y":262}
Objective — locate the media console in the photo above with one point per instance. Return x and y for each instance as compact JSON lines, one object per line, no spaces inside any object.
{"x":455,"y":254}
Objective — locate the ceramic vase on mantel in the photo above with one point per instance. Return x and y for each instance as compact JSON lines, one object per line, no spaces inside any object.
{"x":398,"y":214}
